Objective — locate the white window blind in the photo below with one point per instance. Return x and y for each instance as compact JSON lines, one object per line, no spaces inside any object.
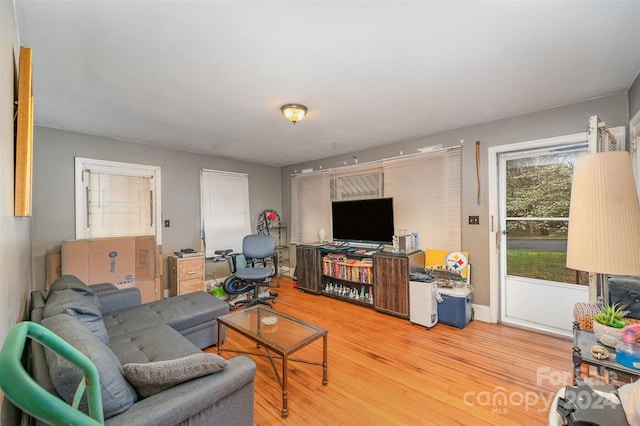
{"x":357,"y":184}
{"x":118,"y":205}
{"x":310,"y":206}
{"x":116,"y":199}
{"x":425,"y":189}
{"x":426,"y":197}
{"x":224,"y":201}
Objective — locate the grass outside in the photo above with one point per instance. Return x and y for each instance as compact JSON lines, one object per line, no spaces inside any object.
{"x":544,"y":265}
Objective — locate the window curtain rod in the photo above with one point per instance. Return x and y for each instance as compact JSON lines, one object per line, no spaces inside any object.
{"x":306,"y":171}
{"x":224,"y":172}
{"x":110,"y":173}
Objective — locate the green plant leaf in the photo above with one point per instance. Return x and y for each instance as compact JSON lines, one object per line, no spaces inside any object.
{"x":611,"y":316}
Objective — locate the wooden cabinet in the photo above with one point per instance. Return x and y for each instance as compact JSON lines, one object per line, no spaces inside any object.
{"x":391,"y":281}
{"x":186,"y":274}
{"x":308,"y":269}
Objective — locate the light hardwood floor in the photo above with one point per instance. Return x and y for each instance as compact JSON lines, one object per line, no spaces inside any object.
{"x":385,"y":371}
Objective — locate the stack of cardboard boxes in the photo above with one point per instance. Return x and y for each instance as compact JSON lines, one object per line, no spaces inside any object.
{"x":123,"y":261}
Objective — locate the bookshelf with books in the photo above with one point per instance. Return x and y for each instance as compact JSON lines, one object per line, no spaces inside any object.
{"x":348,"y":277}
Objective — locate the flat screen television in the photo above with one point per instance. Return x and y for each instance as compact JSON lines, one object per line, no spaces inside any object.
{"x":366,"y":221}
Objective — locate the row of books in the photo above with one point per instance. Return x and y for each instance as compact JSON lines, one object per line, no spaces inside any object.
{"x":348,"y":269}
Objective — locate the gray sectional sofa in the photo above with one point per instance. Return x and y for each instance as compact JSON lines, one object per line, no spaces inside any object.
{"x":152,"y":370}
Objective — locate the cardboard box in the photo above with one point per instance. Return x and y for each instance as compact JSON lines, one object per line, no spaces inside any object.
{"x":75,"y":259}
{"x":145,"y":262}
{"x":54,"y":267}
{"x":150,"y":289}
{"x":123,"y":261}
{"x":101,"y":260}
{"x":405,"y":244}
{"x":159,"y":262}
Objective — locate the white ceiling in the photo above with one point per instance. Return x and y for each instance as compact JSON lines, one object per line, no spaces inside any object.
{"x":210,"y":76}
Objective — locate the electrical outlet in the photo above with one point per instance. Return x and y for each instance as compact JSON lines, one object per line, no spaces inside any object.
{"x":167,"y":223}
{"x":474,"y":220}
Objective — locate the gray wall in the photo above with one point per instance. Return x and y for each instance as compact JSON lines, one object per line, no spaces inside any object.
{"x":53,"y":201}
{"x":613,"y":109}
{"x":634,"y":97}
{"x":15,"y":232}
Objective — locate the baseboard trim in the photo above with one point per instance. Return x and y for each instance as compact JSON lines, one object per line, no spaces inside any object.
{"x":481,"y":313}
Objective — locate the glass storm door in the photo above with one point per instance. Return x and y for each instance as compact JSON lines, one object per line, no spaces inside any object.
{"x":536,"y":288}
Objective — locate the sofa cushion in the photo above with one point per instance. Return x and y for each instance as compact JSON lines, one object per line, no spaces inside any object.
{"x":117,"y":393}
{"x":72,"y":303}
{"x":71,"y":282}
{"x":102,"y":287}
{"x":190,"y":309}
{"x":124,"y":321}
{"x":156,"y":343}
{"x":152,"y":377}
{"x":180,"y":312}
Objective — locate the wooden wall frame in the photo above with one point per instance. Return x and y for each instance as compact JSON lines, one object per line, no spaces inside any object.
{"x":24,"y":137}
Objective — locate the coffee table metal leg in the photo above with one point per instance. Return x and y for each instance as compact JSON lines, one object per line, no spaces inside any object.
{"x":285,"y":388}
{"x":219,"y":337}
{"x":325,"y":381}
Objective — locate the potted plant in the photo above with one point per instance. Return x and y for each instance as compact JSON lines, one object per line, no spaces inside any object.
{"x":607,"y":324}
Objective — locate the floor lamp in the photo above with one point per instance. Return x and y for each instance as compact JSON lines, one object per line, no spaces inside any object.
{"x":604,"y":219}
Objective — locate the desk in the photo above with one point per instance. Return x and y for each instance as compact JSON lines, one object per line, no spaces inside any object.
{"x":609,"y":368}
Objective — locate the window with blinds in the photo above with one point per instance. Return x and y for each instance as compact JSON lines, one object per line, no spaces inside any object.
{"x":426,"y":197}
{"x":310,"y":207}
{"x":115,"y":199}
{"x":224,"y":203}
{"x":425,"y":189}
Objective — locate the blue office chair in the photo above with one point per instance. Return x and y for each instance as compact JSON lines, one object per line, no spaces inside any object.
{"x":256,"y":249}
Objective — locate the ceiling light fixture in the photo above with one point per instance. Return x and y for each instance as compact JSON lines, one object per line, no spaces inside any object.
{"x":293,"y":112}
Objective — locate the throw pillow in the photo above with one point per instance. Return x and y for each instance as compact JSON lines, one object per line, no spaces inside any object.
{"x":69,"y":302}
{"x":74,"y":283}
{"x":150,"y":378}
{"x":117,"y":394}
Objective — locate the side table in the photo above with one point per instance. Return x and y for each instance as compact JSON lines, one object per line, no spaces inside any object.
{"x":611,"y":370}
{"x":186,"y":274}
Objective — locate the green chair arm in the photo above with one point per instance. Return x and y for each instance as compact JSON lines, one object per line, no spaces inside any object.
{"x":29,"y":396}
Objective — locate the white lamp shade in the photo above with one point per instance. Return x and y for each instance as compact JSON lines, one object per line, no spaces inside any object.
{"x":604,"y":216}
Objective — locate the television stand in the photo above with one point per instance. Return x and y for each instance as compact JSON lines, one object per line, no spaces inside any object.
{"x":377,"y":279}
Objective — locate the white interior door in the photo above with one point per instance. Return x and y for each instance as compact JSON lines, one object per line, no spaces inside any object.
{"x":536,"y":288}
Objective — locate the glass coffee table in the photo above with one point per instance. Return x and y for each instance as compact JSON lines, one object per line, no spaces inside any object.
{"x":279,"y":335}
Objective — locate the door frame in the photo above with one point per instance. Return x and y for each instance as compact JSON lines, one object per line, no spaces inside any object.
{"x":494,"y":153}
{"x":634,"y":141}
